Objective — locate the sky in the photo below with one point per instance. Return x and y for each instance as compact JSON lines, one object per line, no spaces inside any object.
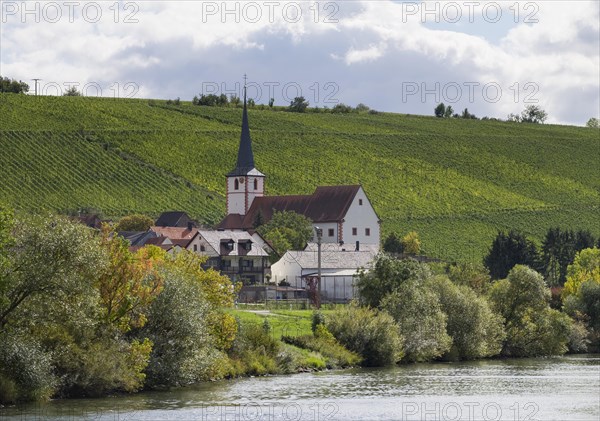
{"x":492,"y":57}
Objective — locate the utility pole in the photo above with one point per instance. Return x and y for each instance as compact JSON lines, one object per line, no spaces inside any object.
{"x":36,"y":83}
{"x":319,"y":238}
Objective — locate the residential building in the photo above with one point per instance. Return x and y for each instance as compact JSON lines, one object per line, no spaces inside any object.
{"x":238,"y":254}
{"x":339,"y":268}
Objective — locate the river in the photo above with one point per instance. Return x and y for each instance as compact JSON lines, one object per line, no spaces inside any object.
{"x":557,"y":388}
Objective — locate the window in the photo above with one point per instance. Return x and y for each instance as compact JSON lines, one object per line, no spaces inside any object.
{"x":331,"y":232}
{"x":367,"y":231}
{"x":256,"y":184}
{"x":248,"y":263}
{"x":202,"y":248}
{"x":236,"y":184}
{"x":354,"y":231}
{"x":195,"y":247}
{"x":359,"y":202}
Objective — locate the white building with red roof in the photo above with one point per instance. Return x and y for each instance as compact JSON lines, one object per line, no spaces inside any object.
{"x":344,"y":213}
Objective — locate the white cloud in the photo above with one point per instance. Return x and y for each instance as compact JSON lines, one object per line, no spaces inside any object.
{"x":367,"y":54}
{"x":347,"y":41}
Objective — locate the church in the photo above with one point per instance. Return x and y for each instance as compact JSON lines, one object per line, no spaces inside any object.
{"x":344,"y":213}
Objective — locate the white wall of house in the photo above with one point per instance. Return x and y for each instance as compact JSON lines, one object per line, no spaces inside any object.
{"x":285,"y":268}
{"x":240,"y":199}
{"x":195,"y":245}
{"x":327,"y":226}
{"x":202,"y":247}
{"x":361,"y":222}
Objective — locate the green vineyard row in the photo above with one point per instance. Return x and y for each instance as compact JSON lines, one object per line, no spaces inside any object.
{"x":456,"y":182}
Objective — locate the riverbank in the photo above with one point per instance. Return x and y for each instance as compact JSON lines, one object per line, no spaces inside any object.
{"x":552,"y":388}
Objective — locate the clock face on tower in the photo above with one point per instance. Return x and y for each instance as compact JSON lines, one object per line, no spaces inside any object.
{"x":241,"y":179}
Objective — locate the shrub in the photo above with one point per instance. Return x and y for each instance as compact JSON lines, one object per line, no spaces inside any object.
{"x":476,"y":331}
{"x":373,"y":335}
{"x":418,"y":312}
{"x":532,"y":327}
{"x":317,"y":319}
{"x":292,"y":359}
{"x":475,"y":276}
{"x":177,"y":324}
{"x":25,"y":370}
{"x":254,"y":351}
{"x":100,"y":366}
{"x":134,"y":222}
{"x":336,"y":356}
{"x":386,"y":275}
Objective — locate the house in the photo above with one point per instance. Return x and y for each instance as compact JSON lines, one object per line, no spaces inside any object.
{"x":182,"y":236}
{"x":344,"y":213}
{"x":241,"y":255}
{"x":238,"y":254}
{"x":161,"y":242}
{"x":90,"y":220}
{"x":174,"y":219}
{"x":137,"y":238}
{"x":339,"y":267}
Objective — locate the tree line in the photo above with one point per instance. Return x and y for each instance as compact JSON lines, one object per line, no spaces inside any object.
{"x":531,"y":114}
{"x":297,"y":105}
{"x":82,"y":314}
{"x":558,"y":250}
{"x":14,"y":86}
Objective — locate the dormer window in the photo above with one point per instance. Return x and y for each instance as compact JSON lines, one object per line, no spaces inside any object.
{"x":246,"y":245}
{"x":227,"y":244}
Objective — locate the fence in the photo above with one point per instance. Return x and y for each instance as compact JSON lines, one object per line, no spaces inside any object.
{"x":294,"y":291}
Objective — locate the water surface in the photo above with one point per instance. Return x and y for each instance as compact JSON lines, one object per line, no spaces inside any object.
{"x":558,"y":388}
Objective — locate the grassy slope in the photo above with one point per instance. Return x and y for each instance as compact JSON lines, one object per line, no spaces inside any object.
{"x":454,"y":181}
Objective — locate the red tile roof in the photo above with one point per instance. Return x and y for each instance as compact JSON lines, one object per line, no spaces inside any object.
{"x":175,"y":233}
{"x":231,"y":221}
{"x":326,"y":204}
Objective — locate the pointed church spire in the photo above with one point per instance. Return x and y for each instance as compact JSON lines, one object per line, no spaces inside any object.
{"x":245,"y":159}
{"x":245,"y":155}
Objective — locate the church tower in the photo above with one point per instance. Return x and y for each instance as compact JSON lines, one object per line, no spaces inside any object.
{"x":244,"y":182}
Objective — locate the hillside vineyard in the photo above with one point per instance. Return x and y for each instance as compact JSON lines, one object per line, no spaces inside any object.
{"x":456,"y":182}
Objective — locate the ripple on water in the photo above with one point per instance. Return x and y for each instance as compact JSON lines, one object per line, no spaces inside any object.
{"x":563,"y":388}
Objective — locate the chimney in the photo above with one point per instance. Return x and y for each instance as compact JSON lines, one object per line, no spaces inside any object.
{"x":357,"y":245}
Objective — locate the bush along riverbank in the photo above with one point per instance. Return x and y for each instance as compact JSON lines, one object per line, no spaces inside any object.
{"x":82,"y":316}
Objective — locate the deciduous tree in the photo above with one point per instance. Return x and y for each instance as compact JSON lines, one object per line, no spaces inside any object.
{"x":532,"y":327}
{"x":130,"y":282}
{"x":51,"y":256}
{"x":287,"y":228}
{"x":385,"y":276}
{"x":298,"y":105}
{"x":134,"y":222}
{"x":418,"y":312}
{"x":411,"y":243}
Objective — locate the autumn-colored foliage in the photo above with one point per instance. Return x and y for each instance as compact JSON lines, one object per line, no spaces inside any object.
{"x":130,"y":283}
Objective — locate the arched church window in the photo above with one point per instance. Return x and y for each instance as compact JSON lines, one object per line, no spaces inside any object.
{"x":255,"y":184}
{"x":236,"y":184}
